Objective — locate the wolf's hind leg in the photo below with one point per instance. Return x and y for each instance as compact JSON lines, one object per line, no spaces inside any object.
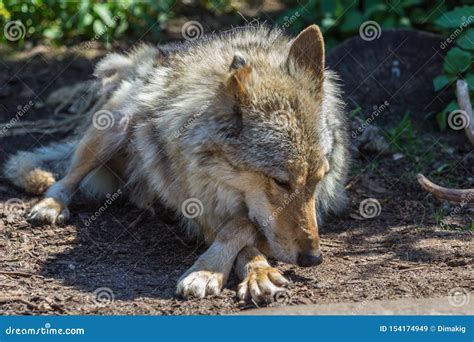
{"x":93,"y":151}
{"x":210,"y":272}
{"x":260,"y":281}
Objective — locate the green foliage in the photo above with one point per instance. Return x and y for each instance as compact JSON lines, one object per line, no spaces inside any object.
{"x":441,"y":117}
{"x":402,"y":133}
{"x":442,"y":81}
{"x":341,"y":19}
{"x":458,"y":62}
{"x":64,"y":21}
{"x":75,"y":21}
{"x":455,"y":18}
{"x":467,"y":40}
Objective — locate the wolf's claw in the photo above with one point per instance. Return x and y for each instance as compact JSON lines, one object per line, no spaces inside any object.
{"x":262,"y":284}
{"x":198,"y":284}
{"x":49,"y":210}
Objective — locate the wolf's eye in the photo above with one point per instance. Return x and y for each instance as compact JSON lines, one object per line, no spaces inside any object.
{"x":283,"y":184}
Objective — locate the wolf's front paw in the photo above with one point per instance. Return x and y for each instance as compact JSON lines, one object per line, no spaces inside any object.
{"x":198,"y":284}
{"x":262,"y":284}
{"x":49,"y":210}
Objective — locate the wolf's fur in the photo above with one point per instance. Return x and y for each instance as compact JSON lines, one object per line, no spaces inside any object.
{"x":246,"y":122}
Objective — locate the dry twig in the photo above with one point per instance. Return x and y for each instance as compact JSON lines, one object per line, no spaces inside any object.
{"x":459,"y":196}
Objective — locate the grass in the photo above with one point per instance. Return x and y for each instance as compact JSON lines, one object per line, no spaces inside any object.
{"x":436,"y":162}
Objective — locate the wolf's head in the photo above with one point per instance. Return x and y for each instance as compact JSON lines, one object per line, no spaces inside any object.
{"x":274,"y":135}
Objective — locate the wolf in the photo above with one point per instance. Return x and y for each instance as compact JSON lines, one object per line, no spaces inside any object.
{"x":242,"y":133}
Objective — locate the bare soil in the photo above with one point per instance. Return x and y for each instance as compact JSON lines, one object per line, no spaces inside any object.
{"x":128,"y":261}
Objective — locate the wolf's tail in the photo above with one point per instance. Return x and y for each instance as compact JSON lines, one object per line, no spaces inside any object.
{"x":35,"y":171}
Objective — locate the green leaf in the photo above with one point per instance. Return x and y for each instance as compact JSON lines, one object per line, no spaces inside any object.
{"x":405,"y":22}
{"x":442,"y":117}
{"x":467,"y":40}
{"x":453,"y":105}
{"x":53,"y":32}
{"x":137,"y":11}
{"x":457,"y":61}
{"x":455,"y":18}
{"x":470,"y":81}
{"x":85,"y":21}
{"x":123,"y":26}
{"x":442,"y":81}
{"x":327,"y":22}
{"x":103,"y":12}
{"x":88,"y":19}
{"x":356,"y":111}
{"x":99,"y":27}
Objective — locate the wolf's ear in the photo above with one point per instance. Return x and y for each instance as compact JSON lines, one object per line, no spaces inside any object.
{"x":307,"y":50}
{"x":240,"y":77}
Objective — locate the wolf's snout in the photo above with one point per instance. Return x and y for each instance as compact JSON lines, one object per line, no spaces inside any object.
{"x":307,"y":259}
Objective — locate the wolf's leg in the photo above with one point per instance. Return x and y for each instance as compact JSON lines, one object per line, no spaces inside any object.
{"x":210,"y":272}
{"x":260,"y":281}
{"x":92,"y":151}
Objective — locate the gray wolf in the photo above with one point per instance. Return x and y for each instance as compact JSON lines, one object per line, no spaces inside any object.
{"x":247,"y":123}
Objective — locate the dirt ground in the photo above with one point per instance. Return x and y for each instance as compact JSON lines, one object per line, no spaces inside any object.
{"x":128,"y":262}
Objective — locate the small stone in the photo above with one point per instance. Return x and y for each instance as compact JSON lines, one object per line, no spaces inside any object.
{"x":398,"y":156}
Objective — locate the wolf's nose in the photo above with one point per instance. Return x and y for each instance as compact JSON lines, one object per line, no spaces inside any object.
{"x":306,"y":259}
